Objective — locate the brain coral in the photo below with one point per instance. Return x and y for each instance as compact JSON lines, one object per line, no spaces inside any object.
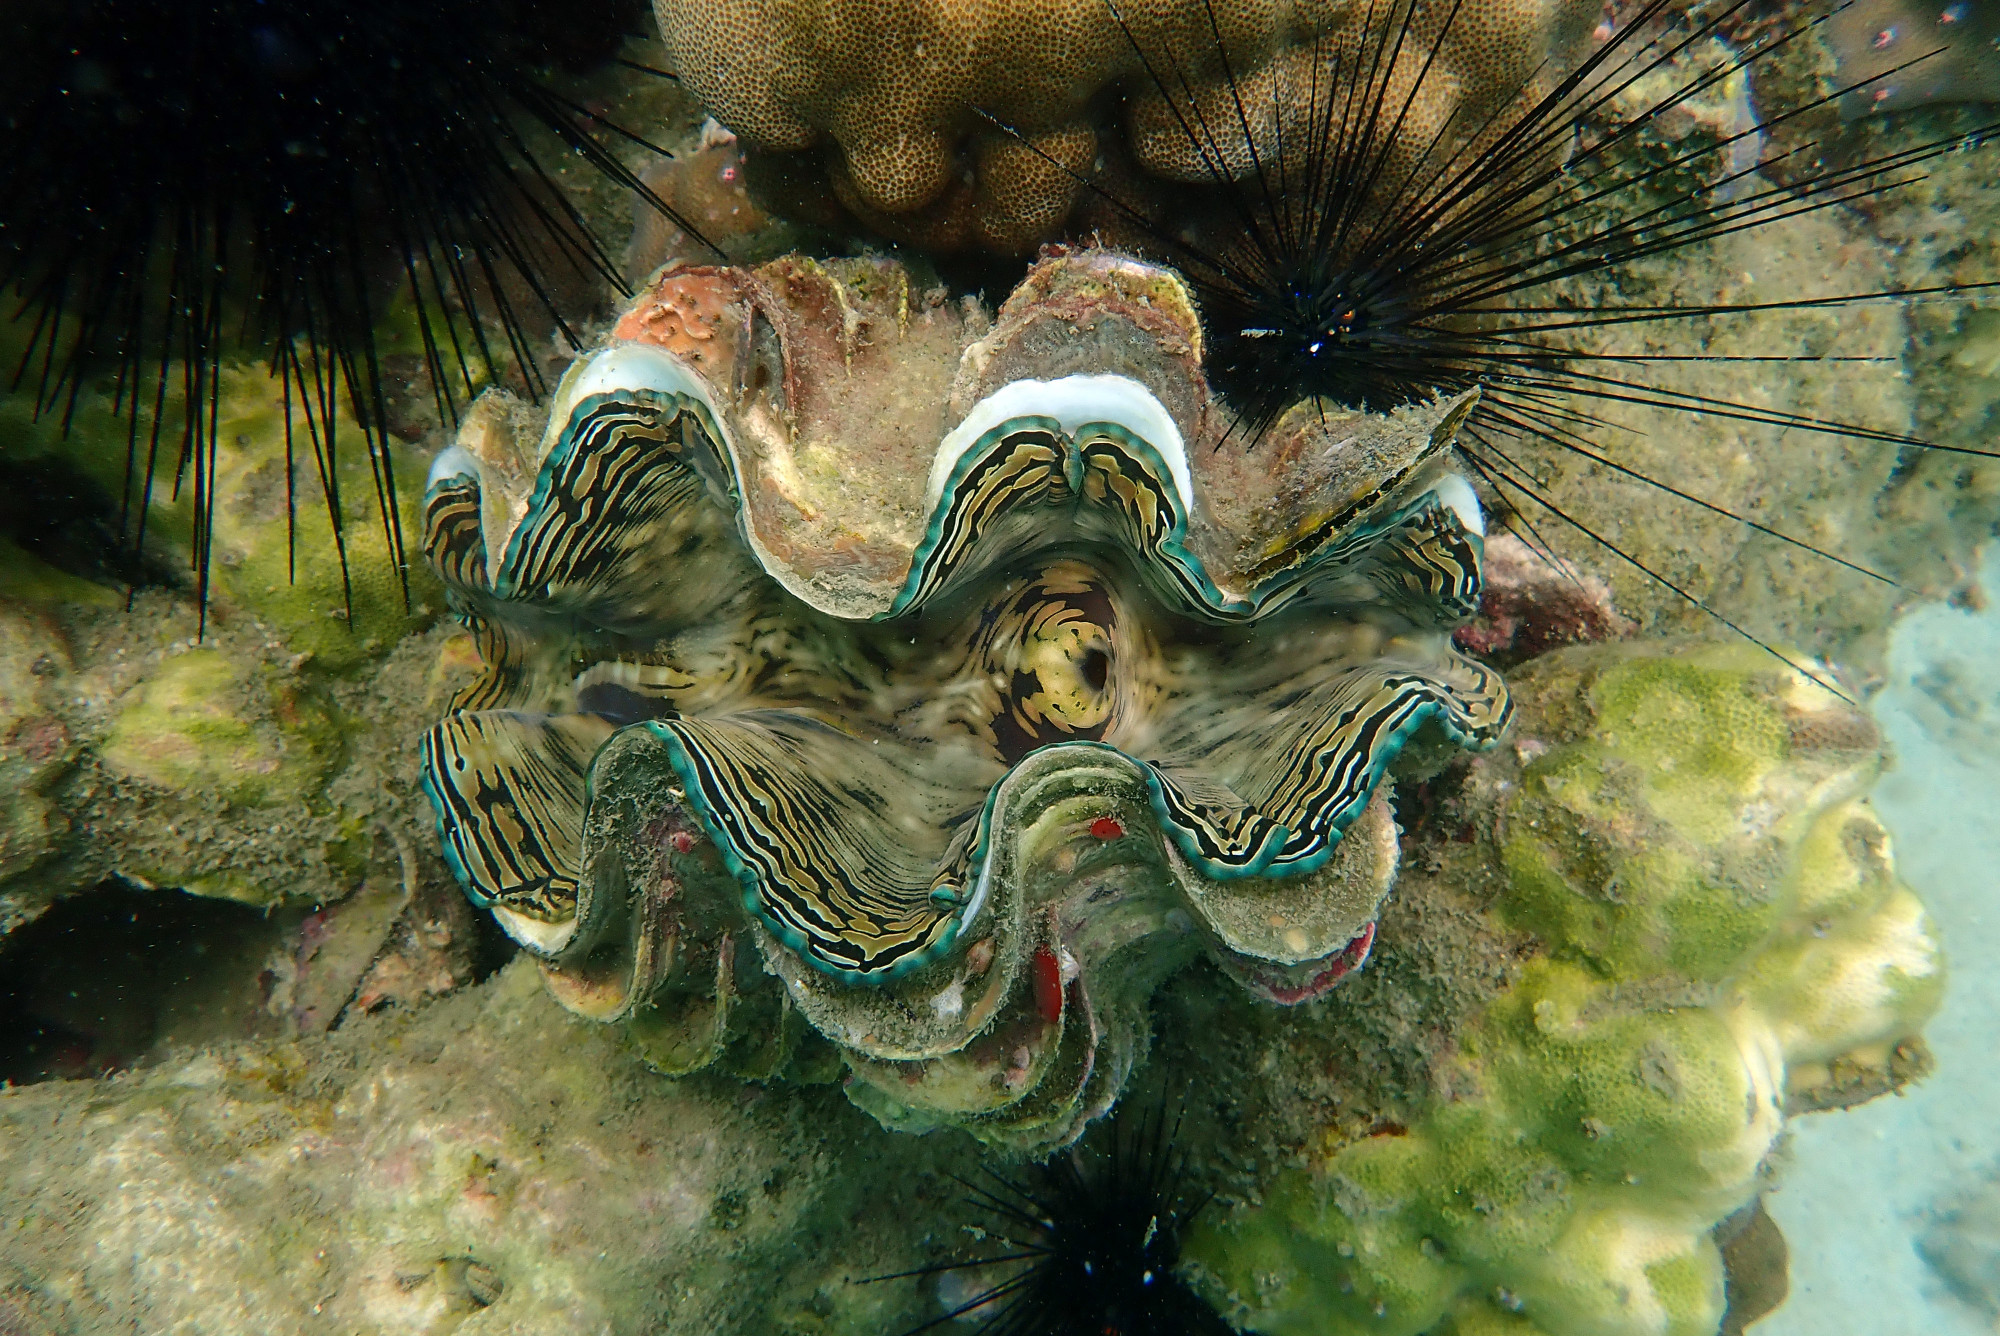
{"x":1721,"y":943}
{"x":898,"y":88}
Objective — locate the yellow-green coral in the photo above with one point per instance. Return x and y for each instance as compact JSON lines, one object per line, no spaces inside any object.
{"x":1719,"y":922}
{"x":34,"y":746}
{"x":194,"y":725}
{"x":256,"y":572}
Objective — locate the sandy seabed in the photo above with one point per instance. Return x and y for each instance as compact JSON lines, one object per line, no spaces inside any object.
{"x":1865,"y":1189}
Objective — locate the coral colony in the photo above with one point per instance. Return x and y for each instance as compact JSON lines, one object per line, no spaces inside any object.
{"x":862,"y":676}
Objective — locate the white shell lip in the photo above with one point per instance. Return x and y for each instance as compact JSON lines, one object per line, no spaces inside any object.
{"x":629,"y":366}
{"x":624,"y":366}
{"x":454,"y":461}
{"x":543,"y":938}
{"x":1455,"y":492}
{"x":1072,"y":401}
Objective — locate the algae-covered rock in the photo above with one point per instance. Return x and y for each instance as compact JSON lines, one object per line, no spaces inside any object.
{"x":486,"y":1164}
{"x":35,"y":747}
{"x":255,"y":748}
{"x":272,"y":557}
{"x":343,"y":618}
{"x":1717,"y":939}
{"x":194,"y":723}
{"x":222,"y":765}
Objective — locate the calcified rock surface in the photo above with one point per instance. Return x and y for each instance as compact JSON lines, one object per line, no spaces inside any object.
{"x":259,"y":754}
{"x":489,"y":1166}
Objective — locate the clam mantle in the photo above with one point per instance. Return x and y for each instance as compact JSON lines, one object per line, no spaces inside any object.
{"x":964,"y":676}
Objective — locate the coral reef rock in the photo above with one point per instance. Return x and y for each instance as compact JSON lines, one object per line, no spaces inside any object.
{"x":1718,"y":942}
{"x":260,"y":752}
{"x":35,"y":745}
{"x":1534,"y":602}
{"x":488,"y":1164}
{"x":904,"y":89}
{"x":943,"y":671}
{"x":341,"y":611}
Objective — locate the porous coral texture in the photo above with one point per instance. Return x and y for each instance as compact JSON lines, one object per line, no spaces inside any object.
{"x":1718,"y":941}
{"x":970,"y":123}
{"x":487,"y":1165}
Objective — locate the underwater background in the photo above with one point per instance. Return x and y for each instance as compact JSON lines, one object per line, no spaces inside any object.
{"x":1184,"y":666}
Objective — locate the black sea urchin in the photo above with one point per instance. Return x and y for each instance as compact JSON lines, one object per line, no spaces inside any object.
{"x":1353,"y":255}
{"x":183,"y":182}
{"x":1095,"y":1237}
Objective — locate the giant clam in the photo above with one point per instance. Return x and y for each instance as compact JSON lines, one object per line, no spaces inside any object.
{"x":859,"y":664}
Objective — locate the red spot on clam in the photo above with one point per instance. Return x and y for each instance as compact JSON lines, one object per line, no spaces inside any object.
{"x":1046,"y":975}
{"x":1355,"y":953}
{"x":1107,"y":828}
{"x":1351,"y":958}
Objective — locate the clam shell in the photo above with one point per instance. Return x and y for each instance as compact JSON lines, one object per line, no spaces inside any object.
{"x":924,"y":652}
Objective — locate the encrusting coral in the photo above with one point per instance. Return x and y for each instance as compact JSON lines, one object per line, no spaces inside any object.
{"x":250,"y":752}
{"x":1721,"y":942}
{"x":898,"y":87}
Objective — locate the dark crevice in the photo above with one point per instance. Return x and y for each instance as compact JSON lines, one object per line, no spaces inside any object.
{"x":114,"y":975}
{"x":492,"y":948}
{"x":60,"y":515}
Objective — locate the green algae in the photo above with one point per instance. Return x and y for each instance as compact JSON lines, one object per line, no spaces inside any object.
{"x":252,"y":748}
{"x":273,"y":558}
{"x":194,"y":724}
